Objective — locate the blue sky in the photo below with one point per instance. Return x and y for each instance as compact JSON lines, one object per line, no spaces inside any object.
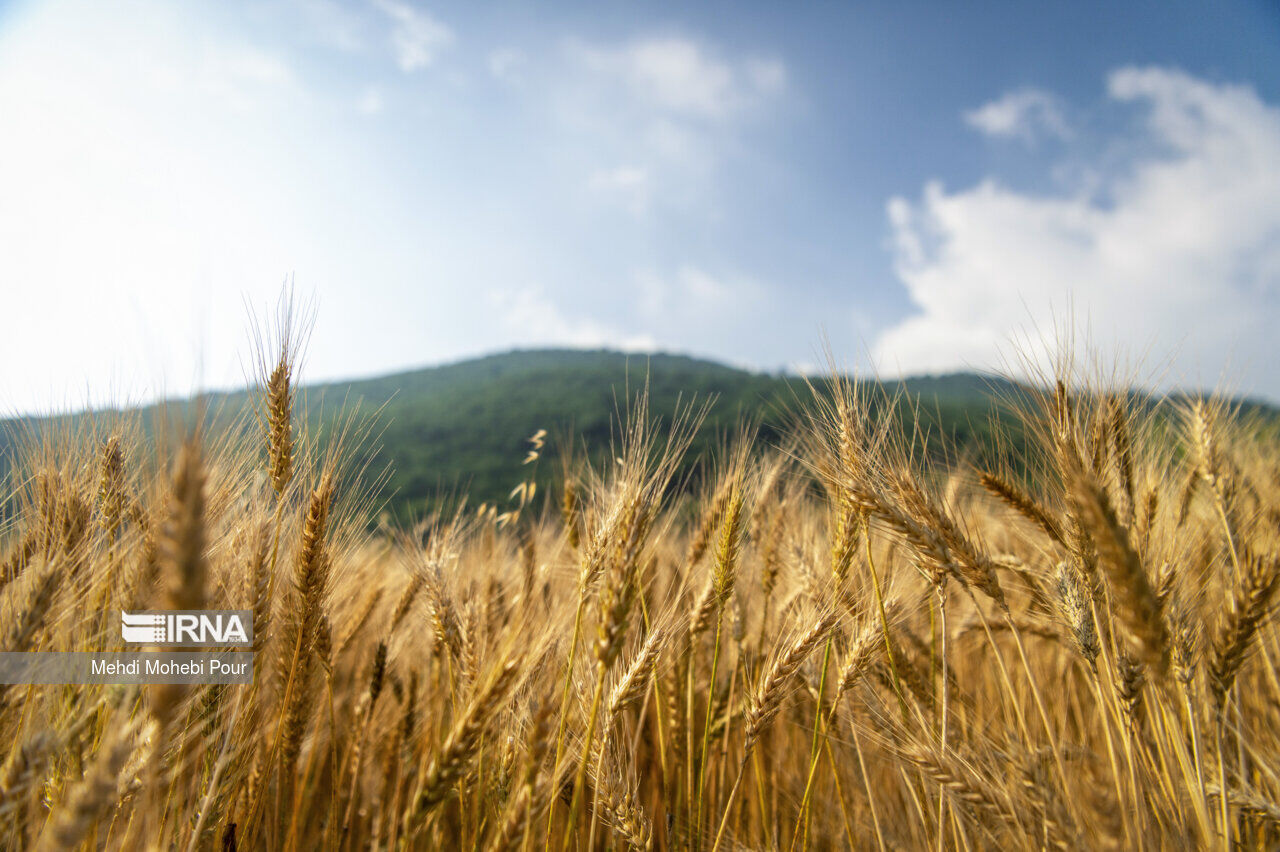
{"x":930,"y":186}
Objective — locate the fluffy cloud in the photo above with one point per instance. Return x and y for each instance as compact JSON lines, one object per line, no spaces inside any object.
{"x":658,"y":117}
{"x":684,"y":77}
{"x":1023,"y":114}
{"x":531,"y":318}
{"x":416,"y":36}
{"x":1178,"y":252}
{"x":687,"y":302}
{"x":689,"y":294}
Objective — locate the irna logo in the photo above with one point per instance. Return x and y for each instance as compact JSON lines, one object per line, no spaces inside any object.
{"x":188,"y":627}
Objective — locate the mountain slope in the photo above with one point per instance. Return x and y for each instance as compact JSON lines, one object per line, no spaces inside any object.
{"x":464,"y":427}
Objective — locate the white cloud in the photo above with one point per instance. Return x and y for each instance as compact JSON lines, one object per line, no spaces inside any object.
{"x":1179,"y":252}
{"x":416,"y":36}
{"x":531,"y":318}
{"x":684,"y":77}
{"x":1023,"y":114}
{"x":705,"y":287}
{"x":671,"y":109}
{"x":691,"y":292}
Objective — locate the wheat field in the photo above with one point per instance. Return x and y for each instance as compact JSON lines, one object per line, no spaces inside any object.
{"x":836,"y":643}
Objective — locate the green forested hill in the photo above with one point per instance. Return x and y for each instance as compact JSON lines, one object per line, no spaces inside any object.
{"x":463,"y":428}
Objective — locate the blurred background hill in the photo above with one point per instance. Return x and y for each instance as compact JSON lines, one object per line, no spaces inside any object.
{"x":464,"y":428}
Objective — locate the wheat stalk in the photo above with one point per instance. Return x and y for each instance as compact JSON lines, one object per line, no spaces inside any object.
{"x":462,"y":743}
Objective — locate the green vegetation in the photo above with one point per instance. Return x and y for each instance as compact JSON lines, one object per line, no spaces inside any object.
{"x":463,"y":428}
